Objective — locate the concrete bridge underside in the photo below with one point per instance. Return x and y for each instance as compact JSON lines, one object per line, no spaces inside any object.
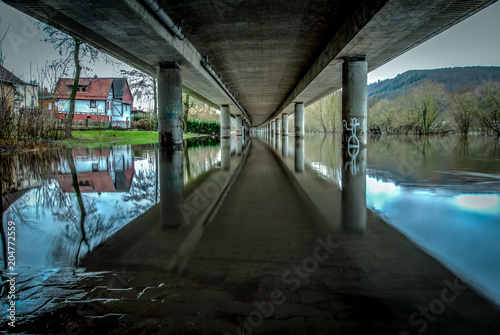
{"x":270,"y":54}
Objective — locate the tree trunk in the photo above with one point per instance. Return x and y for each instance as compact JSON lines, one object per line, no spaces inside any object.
{"x":72,"y":97}
{"x":83,"y":213}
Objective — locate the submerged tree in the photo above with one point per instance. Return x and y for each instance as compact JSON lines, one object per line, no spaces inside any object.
{"x":488,"y":107}
{"x":324,"y":115}
{"x":462,"y":109}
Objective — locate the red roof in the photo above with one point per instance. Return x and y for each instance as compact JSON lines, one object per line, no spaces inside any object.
{"x":97,"y":181}
{"x":81,"y":81}
{"x":97,"y":88}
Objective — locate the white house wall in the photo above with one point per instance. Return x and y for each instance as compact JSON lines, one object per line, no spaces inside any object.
{"x":82,"y":107}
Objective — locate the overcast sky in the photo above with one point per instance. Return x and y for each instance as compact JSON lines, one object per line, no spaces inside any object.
{"x":473,"y":42}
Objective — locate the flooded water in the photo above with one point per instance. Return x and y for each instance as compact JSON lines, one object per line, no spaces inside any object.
{"x":443,"y":193}
{"x":79,"y":214}
{"x":65,"y":203}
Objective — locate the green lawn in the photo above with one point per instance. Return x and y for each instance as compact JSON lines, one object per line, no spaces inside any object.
{"x":119,"y":137}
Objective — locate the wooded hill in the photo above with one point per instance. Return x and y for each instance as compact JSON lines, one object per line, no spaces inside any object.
{"x":455,"y":80}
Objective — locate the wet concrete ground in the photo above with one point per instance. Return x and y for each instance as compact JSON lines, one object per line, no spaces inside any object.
{"x":268,"y":263}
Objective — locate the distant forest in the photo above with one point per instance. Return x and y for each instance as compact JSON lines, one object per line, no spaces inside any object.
{"x":455,"y":80}
{"x":451,"y":100}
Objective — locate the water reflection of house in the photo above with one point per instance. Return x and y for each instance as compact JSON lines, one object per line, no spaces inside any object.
{"x":110,"y":170}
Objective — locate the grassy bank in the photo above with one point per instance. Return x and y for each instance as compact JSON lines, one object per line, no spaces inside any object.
{"x":118,"y":137}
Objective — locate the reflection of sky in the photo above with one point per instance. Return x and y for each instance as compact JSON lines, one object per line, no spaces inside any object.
{"x":449,"y":205}
{"x":461,"y":230}
{"x":48,"y":217}
{"x":48,"y":231}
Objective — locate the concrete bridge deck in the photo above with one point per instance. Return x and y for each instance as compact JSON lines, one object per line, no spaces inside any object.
{"x":265,"y":265}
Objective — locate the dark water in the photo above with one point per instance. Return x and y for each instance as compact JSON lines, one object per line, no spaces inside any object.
{"x":55,"y":226}
{"x":443,"y":193}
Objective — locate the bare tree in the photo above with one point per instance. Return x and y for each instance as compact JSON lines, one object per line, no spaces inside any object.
{"x":488,"y":107}
{"x":142,"y":86}
{"x":462,"y":109}
{"x":324,"y":115}
{"x":1,"y":40}
{"x":72,"y":49}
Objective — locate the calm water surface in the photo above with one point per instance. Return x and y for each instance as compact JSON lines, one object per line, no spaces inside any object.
{"x":441,"y":192}
{"x":57,"y":226}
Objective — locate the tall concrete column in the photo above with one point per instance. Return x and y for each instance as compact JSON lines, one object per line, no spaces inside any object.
{"x":299,"y":119}
{"x":170,"y":128}
{"x":278,"y":126}
{"x":354,"y":96}
{"x":238,"y":125}
{"x":284,"y":124}
{"x":273,"y":128}
{"x":225,"y":122}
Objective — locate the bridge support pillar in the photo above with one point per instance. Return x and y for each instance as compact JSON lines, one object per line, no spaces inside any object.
{"x":225,"y":122}
{"x":299,"y":119}
{"x":238,"y":125}
{"x":170,"y":128}
{"x":273,"y":128}
{"x":284,"y":124}
{"x":354,"y":97}
{"x":278,"y":126}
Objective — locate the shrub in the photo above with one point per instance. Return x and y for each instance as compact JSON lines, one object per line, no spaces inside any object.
{"x":203,"y":127}
{"x":142,"y":124}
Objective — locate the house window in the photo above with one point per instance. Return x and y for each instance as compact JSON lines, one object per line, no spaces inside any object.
{"x":92,"y":103}
{"x":81,"y":88}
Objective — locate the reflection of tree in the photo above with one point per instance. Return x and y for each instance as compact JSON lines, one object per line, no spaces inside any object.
{"x":186,"y":160}
{"x":81,"y":206}
{"x":326,"y":152}
{"x":142,"y":193}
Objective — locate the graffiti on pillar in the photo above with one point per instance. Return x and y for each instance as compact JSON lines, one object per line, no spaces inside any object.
{"x":352,"y":145}
{"x":352,"y":142}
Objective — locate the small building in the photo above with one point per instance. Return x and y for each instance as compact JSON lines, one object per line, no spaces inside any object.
{"x":97,"y":99}
{"x":139,"y":112}
{"x":45,"y":100}
{"x":15,"y":93}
